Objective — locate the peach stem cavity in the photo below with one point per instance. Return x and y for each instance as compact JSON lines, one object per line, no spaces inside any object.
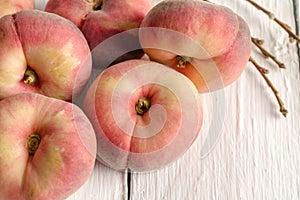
{"x":98,"y":6}
{"x":30,"y":77}
{"x":95,"y":5}
{"x":142,"y":105}
{"x":33,"y":142}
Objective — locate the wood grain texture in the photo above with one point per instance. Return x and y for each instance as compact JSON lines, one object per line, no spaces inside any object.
{"x":104,"y":183}
{"x":256,"y":156}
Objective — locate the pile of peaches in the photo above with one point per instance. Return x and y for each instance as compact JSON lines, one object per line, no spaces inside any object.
{"x":138,"y":110}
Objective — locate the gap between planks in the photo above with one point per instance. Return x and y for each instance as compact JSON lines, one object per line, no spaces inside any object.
{"x":297,"y":24}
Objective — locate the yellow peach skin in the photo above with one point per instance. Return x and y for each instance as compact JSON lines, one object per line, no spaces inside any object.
{"x":13,"y":6}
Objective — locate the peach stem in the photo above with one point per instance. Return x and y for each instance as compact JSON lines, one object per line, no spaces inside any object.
{"x":30,"y":77}
{"x":183,"y":60}
{"x":142,"y":105}
{"x":33,"y":142}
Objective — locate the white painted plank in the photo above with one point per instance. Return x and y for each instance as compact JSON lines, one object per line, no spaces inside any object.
{"x":104,"y":183}
{"x":257,"y":154}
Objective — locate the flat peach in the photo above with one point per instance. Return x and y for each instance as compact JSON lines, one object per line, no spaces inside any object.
{"x":48,"y":147}
{"x":50,"y":46}
{"x":209,"y":44}
{"x":131,"y":136}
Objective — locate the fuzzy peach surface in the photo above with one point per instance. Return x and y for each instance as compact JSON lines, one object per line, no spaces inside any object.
{"x":64,"y":159}
{"x":148,"y":141}
{"x":13,"y":6}
{"x":99,"y":20}
{"x":215,"y":41}
{"x":51,"y":45}
{"x":213,"y":27}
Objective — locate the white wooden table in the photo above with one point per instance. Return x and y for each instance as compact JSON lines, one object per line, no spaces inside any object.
{"x":257,"y":154}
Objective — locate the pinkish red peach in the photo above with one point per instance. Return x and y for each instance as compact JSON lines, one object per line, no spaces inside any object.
{"x":44,"y":53}
{"x":48,"y":147}
{"x":101,"y":19}
{"x":145,"y":115}
{"x":210,"y":44}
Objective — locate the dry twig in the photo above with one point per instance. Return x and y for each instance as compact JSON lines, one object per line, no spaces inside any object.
{"x":267,"y":54}
{"x":272,"y":16}
{"x":262,"y":71}
{"x":259,"y":43}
